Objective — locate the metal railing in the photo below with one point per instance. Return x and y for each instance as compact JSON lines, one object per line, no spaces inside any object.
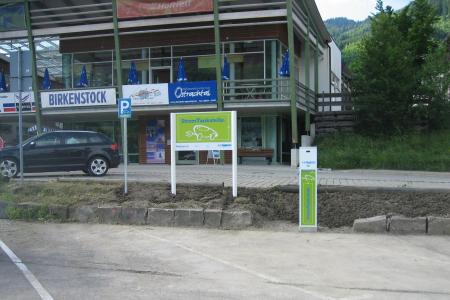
{"x":267,"y":90}
{"x":334,"y":102}
{"x":306,"y":98}
{"x":248,"y":90}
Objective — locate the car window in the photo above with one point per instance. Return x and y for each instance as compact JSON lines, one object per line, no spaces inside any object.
{"x":51,"y":139}
{"x":95,"y":139}
{"x":74,"y":138}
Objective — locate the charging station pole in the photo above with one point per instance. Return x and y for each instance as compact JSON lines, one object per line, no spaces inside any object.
{"x":308,"y":189}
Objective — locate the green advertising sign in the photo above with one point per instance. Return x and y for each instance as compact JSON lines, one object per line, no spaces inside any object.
{"x":308,"y":197}
{"x":211,"y":127}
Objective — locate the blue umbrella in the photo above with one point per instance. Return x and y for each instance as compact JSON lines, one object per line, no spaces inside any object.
{"x":226,"y":69}
{"x":2,"y":83}
{"x":83,"y":78}
{"x":284,"y":70}
{"x":46,"y":83}
{"x":133,"y":74}
{"x":181,"y":75}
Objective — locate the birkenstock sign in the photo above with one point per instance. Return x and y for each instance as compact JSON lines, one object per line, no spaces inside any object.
{"x":79,"y":98}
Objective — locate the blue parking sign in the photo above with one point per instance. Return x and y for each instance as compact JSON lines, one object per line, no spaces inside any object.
{"x":124,"y":108}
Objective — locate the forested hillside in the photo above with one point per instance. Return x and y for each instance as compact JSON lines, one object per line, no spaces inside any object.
{"x":348,"y":33}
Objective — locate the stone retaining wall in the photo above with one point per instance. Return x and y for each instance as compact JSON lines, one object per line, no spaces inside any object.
{"x":402,"y":225}
{"x":209,"y":218}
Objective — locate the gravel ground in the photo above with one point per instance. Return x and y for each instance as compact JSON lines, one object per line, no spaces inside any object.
{"x":338,"y":207}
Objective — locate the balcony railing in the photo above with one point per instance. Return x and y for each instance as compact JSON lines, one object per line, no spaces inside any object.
{"x":267,"y":90}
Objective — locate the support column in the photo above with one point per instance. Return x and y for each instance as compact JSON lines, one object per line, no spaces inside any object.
{"x":307,"y":76}
{"x":117,"y":48}
{"x":218,"y":56}
{"x":32,"y":48}
{"x":292,"y":83}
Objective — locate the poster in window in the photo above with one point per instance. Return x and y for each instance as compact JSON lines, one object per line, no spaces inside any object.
{"x":156,"y":142}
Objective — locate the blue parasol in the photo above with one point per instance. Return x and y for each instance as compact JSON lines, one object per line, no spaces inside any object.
{"x":83,"y":78}
{"x":181,"y":75}
{"x":46,"y":83}
{"x":284,"y":70}
{"x":2,"y":83}
{"x":133,"y":74}
{"x":226,"y":69}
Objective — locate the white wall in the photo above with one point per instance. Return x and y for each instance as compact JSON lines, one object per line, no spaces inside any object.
{"x":336,"y":64}
{"x":324,"y":71}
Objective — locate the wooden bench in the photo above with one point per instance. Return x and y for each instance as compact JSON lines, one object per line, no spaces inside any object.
{"x":255,"y":152}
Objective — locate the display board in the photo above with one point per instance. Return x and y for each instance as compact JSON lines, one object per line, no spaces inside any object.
{"x":196,"y":131}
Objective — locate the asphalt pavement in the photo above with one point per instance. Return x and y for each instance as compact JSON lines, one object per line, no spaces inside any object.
{"x":91,"y":261}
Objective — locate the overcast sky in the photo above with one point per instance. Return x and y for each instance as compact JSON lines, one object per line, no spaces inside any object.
{"x":353,"y":9}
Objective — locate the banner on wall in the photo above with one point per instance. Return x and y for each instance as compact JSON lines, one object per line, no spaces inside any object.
{"x":77,"y":98}
{"x":9,"y":102}
{"x":155,"y":139}
{"x":198,"y":92}
{"x":147,"y":94}
{"x":127,"y":9}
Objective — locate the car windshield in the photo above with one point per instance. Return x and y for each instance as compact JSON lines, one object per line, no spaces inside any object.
{"x":29,"y":140}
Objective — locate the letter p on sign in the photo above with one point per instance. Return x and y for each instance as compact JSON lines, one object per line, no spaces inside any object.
{"x":125,"y":108}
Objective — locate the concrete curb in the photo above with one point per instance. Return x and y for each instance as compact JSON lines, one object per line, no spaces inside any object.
{"x":182,"y":217}
{"x":403,"y":225}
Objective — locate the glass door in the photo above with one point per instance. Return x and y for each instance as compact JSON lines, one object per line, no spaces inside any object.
{"x":161,"y":75}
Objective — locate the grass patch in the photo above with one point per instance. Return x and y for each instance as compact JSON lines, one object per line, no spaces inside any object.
{"x":60,"y":193}
{"x":32,"y":213}
{"x":415,"y":151}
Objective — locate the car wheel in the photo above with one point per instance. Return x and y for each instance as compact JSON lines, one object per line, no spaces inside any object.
{"x":98,"y":166}
{"x":9,"y":168}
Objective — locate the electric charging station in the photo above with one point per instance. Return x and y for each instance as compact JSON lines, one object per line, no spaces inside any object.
{"x":308,"y":189}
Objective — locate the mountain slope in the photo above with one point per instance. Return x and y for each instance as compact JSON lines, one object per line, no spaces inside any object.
{"x":348,"y":33}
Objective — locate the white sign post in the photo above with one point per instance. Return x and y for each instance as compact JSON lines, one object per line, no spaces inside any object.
{"x":308,"y":189}
{"x":125,"y":114}
{"x":199,"y":131}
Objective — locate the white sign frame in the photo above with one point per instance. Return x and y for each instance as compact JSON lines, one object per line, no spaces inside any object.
{"x":193,"y":147}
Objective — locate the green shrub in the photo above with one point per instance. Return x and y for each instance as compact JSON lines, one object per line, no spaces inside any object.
{"x":414,"y":151}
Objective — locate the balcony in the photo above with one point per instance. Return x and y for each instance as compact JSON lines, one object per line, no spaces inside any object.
{"x":275,"y":91}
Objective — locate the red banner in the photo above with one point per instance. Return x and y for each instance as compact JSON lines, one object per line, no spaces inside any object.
{"x":127,"y":9}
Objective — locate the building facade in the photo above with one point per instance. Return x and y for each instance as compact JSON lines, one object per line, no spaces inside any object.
{"x":108,"y":38}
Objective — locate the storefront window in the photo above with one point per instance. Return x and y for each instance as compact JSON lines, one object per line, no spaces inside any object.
{"x":251,"y":132}
{"x":141,"y":66}
{"x":99,"y":74}
{"x":193,"y":70}
{"x":193,"y":50}
{"x":160,"y":52}
{"x":252,"y":67}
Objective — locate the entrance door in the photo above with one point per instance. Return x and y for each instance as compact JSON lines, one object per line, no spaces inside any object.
{"x":161,"y":75}
{"x":187,"y":157}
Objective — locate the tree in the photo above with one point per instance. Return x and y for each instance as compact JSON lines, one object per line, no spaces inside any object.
{"x":435,"y":76}
{"x":396,"y":76}
{"x":382,"y":83}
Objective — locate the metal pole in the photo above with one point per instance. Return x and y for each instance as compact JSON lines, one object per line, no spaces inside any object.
{"x":218,"y":56}
{"x":19,"y":81}
{"x":307,"y":75}
{"x":125,"y":153}
{"x":292,"y":83}
{"x":119,"y":90}
{"x":31,"y":46}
